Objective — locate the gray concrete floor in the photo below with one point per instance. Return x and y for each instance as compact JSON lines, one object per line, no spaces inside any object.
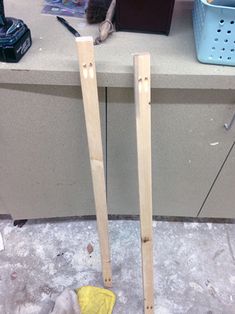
{"x":194,"y":265}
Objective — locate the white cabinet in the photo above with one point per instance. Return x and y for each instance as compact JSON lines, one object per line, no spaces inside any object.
{"x":220,"y":202}
{"x":44,"y":163}
{"x":189,"y":146}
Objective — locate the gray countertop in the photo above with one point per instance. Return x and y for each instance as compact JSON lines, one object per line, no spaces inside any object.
{"x":52,"y":59}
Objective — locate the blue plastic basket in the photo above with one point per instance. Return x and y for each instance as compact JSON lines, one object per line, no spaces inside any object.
{"x":214,"y":32}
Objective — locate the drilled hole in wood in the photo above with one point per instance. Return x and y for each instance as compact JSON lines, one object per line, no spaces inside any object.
{"x":85,"y":72}
{"x":146,"y":239}
{"x":91,"y":71}
{"x":140,"y":84}
{"x":146,"y":84}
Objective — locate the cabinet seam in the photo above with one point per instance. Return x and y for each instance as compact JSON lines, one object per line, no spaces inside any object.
{"x":217,"y":176}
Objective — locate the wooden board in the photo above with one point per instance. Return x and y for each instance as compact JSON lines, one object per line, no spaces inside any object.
{"x":143,"y":130}
{"x":92,"y":116}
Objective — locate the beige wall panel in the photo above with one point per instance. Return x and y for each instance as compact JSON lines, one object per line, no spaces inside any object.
{"x":189,"y":147}
{"x":44,"y":164}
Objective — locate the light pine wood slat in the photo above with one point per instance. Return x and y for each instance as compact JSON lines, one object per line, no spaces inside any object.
{"x":86,"y":59}
{"x":143,"y":130}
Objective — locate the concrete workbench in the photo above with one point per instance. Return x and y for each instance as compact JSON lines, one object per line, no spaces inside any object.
{"x":44,"y":165}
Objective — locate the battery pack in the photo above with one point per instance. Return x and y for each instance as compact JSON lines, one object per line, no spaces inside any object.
{"x":13,"y":53}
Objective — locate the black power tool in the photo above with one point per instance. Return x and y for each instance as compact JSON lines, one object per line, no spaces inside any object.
{"x":15,"y":37}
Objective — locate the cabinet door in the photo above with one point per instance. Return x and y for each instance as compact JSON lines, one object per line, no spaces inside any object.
{"x":44,"y":163}
{"x":220,"y":202}
{"x":189,"y":145}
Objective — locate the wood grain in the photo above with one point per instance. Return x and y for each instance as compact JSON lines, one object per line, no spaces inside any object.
{"x":92,"y":116}
{"x":143,"y":130}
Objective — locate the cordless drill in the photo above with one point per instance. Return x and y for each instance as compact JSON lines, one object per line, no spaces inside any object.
{"x":15,"y":37}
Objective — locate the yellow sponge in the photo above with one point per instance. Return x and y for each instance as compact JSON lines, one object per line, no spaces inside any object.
{"x":93,"y":300}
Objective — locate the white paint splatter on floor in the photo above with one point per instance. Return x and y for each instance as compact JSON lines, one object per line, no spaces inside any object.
{"x":193,"y":264}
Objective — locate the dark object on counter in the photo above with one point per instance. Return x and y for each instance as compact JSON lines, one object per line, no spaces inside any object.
{"x":97,"y":10}
{"x":69,"y":27}
{"x":148,"y":16}
{"x":15,"y":37}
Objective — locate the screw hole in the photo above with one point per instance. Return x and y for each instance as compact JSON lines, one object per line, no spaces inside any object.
{"x":229,"y":58}
{"x":232,"y":22}
{"x":226,"y":40}
{"x":232,"y":50}
{"x":221,"y":57}
{"x":216,"y":39}
{"x":218,"y":30}
{"x":213,"y":48}
{"x":228,"y":32}
{"x":147,"y":307}
{"x":223,"y":49}
{"x":221,"y":22}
